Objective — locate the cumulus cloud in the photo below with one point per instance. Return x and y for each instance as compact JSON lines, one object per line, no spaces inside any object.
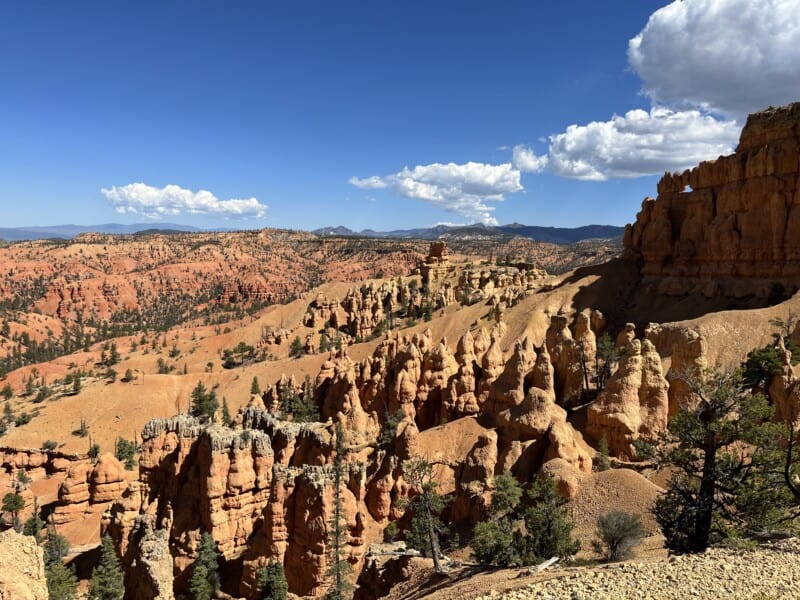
{"x":640,"y":143}
{"x":463,"y":189}
{"x":526,"y":160}
{"x":731,"y":56}
{"x":171,"y":200}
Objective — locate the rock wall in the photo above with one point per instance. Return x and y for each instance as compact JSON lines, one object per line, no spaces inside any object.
{"x":730,"y":226}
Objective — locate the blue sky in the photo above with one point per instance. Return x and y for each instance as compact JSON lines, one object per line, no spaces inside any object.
{"x":374,"y":114}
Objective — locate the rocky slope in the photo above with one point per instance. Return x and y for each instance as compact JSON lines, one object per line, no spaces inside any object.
{"x":769,"y":572}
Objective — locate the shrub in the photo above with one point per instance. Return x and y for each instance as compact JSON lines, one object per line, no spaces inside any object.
{"x":602,"y":462}
{"x":618,"y":533}
{"x":49,"y":445}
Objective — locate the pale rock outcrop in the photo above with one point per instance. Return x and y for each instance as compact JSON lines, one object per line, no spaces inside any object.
{"x":565,"y":354}
{"x":21,"y":568}
{"x":634,"y":403}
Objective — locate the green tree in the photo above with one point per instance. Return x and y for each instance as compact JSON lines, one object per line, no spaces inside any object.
{"x":760,"y":365}
{"x":272,"y":582}
{"x":727,"y":466}
{"x":34,"y":525}
{"x":76,"y":386}
{"x":7,"y":391}
{"x":13,"y":503}
{"x":255,"y":388}
{"x":605,"y":357}
{"x":107,"y":580}
{"x":126,"y":453}
{"x":297,"y":349}
{"x":227,"y":420}
{"x":493,"y":540}
{"x":204,"y":401}
{"x":204,"y":582}
{"x":547,"y":523}
{"x":339,"y":569}
{"x":427,"y":504}
{"x":62,"y":584}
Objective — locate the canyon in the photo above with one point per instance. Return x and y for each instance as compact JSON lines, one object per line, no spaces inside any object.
{"x":481,"y":362}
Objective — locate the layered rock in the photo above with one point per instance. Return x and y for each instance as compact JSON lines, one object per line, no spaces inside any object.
{"x":729,"y":226}
{"x":86,"y":486}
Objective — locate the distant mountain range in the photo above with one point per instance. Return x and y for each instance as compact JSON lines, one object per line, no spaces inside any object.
{"x":65,"y":232}
{"x":559,"y":235}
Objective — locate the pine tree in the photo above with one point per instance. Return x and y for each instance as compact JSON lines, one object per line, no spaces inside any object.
{"x":204,"y":401}
{"x":62,"y":584}
{"x":34,"y":525}
{"x":107,"y":581}
{"x":255,"y":388}
{"x":427,"y":504}
{"x":717,"y":488}
{"x":13,"y":503}
{"x":339,"y":569}
{"x":272,"y":582}
{"x":205,"y":573}
{"x":226,"y":413}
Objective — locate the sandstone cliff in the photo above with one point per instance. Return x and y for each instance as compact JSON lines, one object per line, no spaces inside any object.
{"x":729,"y":226}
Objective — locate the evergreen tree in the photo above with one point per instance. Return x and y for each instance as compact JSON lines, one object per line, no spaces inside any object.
{"x":296,"y":349}
{"x":493,"y":539}
{"x":547,"y":523}
{"x":255,"y":388}
{"x":272,"y":582}
{"x":339,"y":569}
{"x":204,"y":583}
{"x":107,"y":581}
{"x":13,"y":503}
{"x":427,"y":504}
{"x":204,"y":401}
{"x":728,"y":466}
{"x":226,"y":413}
{"x":34,"y":525}
{"x":524,"y":529}
{"x":62,"y":584}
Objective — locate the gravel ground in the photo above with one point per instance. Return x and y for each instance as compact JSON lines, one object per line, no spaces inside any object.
{"x":770,"y":572}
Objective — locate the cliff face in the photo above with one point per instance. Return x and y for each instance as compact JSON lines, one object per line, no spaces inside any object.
{"x":729,"y":226}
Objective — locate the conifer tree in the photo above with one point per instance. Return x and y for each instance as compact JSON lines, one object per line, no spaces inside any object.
{"x":61,"y":581}
{"x":226,"y":413}
{"x":107,"y":581}
{"x":339,"y":569}
{"x":272,"y":582}
{"x":427,"y":504}
{"x":204,"y":582}
{"x":34,"y":525}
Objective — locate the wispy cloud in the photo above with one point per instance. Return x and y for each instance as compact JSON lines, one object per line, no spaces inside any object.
{"x":172,"y":200}
{"x":463,"y":189}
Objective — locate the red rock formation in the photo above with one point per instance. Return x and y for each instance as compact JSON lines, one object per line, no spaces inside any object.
{"x":729,"y":226}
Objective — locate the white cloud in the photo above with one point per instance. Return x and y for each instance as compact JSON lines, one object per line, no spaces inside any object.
{"x":731,"y":56}
{"x":640,"y":143}
{"x":461,"y":189}
{"x":526,"y":160}
{"x":172,"y":200}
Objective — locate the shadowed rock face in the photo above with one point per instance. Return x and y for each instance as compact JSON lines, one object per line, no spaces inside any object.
{"x":729,"y":226}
